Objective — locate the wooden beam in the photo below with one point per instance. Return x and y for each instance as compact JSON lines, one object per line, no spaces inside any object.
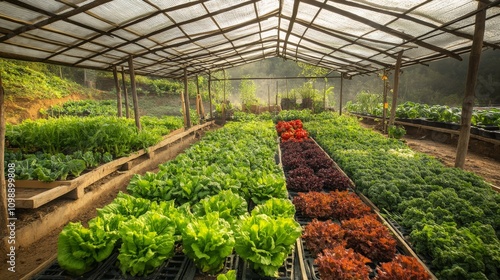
{"x":187,"y":124}
{"x":290,"y":25}
{"x":385,"y":104}
{"x":4,"y":217}
{"x":134,"y":93}
{"x":210,"y":93}
{"x":340,"y":97}
{"x":127,"y":111}
{"x":118,"y":92}
{"x":470,"y":86}
{"x":395,"y":88}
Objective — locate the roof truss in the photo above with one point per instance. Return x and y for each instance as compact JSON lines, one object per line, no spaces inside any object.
{"x":351,"y":37}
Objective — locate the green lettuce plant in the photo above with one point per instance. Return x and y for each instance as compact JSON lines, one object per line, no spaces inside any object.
{"x":265,"y":242}
{"x":146,"y":243}
{"x":208,"y":241}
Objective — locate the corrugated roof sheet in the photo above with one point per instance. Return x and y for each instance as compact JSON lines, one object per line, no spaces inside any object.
{"x":164,"y":37}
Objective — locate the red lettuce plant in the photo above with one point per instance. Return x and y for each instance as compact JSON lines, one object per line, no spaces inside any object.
{"x":347,"y":205}
{"x":402,"y":268}
{"x":368,"y":236}
{"x":340,"y":263}
{"x":322,"y":235}
{"x":303,"y":179}
{"x":314,"y":204}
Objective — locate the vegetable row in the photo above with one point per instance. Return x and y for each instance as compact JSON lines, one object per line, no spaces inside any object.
{"x":341,"y":233}
{"x":439,"y":113}
{"x":197,"y":203}
{"x":451,"y":217}
{"x":58,"y":148}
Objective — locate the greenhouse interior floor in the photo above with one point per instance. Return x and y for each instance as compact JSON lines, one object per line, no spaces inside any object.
{"x":40,"y":253}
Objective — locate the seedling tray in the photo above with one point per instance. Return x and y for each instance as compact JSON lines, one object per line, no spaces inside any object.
{"x":285,"y":272}
{"x":172,"y":269}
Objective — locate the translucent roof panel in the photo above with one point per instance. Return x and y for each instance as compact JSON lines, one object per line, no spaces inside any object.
{"x":166,"y":36}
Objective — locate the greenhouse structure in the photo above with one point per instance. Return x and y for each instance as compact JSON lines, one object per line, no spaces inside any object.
{"x":294,"y":196}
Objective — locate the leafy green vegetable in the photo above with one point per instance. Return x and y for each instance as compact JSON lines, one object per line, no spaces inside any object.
{"x":265,"y":242}
{"x":126,"y":205}
{"x":79,"y":248}
{"x":208,"y":241}
{"x":230,"y":206}
{"x":146,"y":243}
{"x":275,"y":208}
{"x":230,"y":275}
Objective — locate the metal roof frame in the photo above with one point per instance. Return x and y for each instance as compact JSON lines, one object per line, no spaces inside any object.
{"x":166,"y":37}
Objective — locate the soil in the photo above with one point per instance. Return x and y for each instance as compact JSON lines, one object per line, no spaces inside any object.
{"x":23,"y":108}
{"x":30,"y":258}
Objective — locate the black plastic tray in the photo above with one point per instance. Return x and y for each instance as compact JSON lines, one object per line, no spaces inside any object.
{"x":232,"y":263}
{"x":285,"y":272}
{"x":172,"y":269}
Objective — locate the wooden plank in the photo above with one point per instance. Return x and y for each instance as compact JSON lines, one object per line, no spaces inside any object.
{"x":35,"y":184}
{"x":300,"y":251}
{"x":43,"y":197}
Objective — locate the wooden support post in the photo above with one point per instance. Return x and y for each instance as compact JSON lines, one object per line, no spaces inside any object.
{"x":118,"y":92}
{"x":385,"y":104}
{"x":4,"y":217}
{"x":187,"y":124}
{"x":470,"y":86}
{"x":324,"y":96}
{"x":277,"y":90}
{"x":268,"y":97}
{"x":210,"y":93}
{"x":127,"y":112}
{"x":395,"y":88}
{"x":224,"y":99}
{"x":134,"y":92}
{"x":341,"y":88}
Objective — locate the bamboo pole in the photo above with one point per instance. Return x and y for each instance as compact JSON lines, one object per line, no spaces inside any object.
{"x":187,"y":124}
{"x":385,"y":105}
{"x":341,"y":88}
{"x":4,"y":217}
{"x":277,"y":90}
{"x":118,"y":92}
{"x":395,"y":88}
{"x":324,"y":96}
{"x":127,"y":111}
{"x":134,"y":93}
{"x":269,"y":97}
{"x":472,"y":73}
{"x":210,"y":93}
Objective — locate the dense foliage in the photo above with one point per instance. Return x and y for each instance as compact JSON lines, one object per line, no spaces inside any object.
{"x":439,"y":113}
{"x":238,"y":157}
{"x":114,"y":135}
{"x":83,"y":108}
{"x":200,"y":200}
{"x":33,"y":80}
{"x":442,"y":207}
